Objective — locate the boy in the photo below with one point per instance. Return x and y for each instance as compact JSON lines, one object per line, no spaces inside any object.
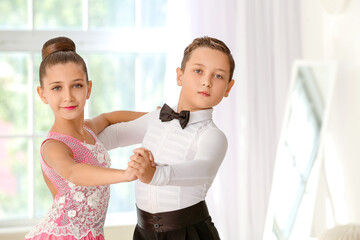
{"x":188,"y":151}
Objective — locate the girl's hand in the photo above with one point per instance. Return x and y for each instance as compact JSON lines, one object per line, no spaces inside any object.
{"x":146,"y":154}
{"x":130,"y":174}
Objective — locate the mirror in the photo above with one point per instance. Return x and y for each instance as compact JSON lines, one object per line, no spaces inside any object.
{"x":296,"y":171}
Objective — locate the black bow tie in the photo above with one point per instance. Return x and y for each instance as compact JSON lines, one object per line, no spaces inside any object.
{"x":168,"y":114}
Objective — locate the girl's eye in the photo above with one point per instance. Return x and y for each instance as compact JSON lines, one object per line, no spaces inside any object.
{"x":57,"y":88}
{"x":198,"y":71}
{"x":77,"y":85}
{"x":218,"y":76}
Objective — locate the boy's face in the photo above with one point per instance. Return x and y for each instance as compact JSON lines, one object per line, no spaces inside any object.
{"x":205,"y":80}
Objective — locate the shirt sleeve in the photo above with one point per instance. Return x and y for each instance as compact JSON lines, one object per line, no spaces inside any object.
{"x":212,"y":147}
{"x":126,"y":133}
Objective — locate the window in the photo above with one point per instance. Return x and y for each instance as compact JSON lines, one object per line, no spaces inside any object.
{"x":124,"y":46}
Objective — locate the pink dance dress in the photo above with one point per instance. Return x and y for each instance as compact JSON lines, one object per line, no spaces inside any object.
{"x":78,"y":212}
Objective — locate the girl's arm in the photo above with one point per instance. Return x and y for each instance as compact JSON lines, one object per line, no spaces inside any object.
{"x":59,"y":157}
{"x":98,"y":123}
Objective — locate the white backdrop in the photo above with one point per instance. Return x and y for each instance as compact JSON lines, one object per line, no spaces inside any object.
{"x":264,"y":37}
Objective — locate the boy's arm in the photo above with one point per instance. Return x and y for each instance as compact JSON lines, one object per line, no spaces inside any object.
{"x":212,"y":147}
{"x":98,"y":123}
{"x":126,"y":133}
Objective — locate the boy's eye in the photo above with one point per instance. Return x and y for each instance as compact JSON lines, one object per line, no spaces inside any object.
{"x":198,"y":71}
{"x":77,"y":85}
{"x":218,"y":76}
{"x":57,"y":88}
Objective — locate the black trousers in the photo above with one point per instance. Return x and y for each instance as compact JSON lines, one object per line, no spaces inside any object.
{"x":191,"y":223}
{"x":201,"y":231}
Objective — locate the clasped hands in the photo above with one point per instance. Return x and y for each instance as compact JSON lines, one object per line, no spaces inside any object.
{"x":142,"y":165}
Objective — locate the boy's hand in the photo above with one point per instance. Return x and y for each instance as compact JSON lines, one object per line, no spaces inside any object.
{"x":142,"y":163}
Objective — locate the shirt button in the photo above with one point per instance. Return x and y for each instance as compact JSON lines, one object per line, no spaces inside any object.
{"x":156,"y":225}
{"x":156,"y":218}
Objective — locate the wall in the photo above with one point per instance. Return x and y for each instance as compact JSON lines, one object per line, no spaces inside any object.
{"x":336,"y":36}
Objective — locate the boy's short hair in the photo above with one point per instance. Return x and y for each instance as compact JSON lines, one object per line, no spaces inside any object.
{"x":212,"y":43}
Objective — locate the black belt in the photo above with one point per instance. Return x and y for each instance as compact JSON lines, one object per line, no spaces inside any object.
{"x":169,"y":221}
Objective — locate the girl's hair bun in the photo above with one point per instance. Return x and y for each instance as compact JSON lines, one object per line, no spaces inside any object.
{"x":56,"y":45}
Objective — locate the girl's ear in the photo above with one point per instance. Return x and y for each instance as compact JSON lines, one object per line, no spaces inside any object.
{"x":89,"y":89}
{"x":230,"y":85}
{"x":179,"y":74}
{"x":40,"y":92}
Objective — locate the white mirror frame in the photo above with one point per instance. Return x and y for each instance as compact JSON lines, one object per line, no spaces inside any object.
{"x":329,"y":83}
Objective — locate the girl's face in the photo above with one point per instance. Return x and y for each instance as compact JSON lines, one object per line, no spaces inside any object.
{"x":65,"y":90}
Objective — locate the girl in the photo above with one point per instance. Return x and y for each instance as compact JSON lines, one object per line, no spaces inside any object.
{"x":74,"y":162}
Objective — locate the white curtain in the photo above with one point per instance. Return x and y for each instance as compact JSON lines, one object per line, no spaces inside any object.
{"x":264,"y":37}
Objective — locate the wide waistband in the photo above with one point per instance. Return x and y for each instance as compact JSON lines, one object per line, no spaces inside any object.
{"x":169,"y":221}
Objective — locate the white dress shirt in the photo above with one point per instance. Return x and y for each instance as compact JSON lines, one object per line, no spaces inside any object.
{"x":187,"y":159}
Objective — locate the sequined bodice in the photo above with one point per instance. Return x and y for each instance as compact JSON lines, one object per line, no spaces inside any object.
{"x":76,"y":210}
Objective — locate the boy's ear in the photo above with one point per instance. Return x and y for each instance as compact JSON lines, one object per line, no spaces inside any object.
{"x":230,"y":85}
{"x":179,"y":74}
{"x":40,"y":92}
{"x":89,"y":89}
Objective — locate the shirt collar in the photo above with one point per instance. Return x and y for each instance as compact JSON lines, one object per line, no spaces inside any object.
{"x":198,"y":116}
